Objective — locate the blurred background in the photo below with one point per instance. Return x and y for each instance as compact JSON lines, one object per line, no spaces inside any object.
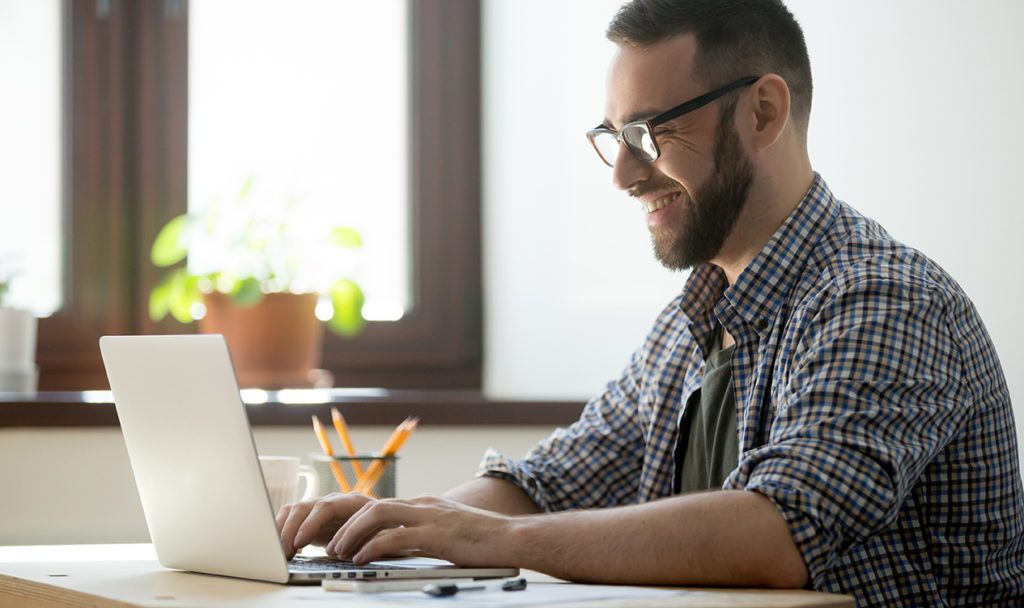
{"x":496,"y":255}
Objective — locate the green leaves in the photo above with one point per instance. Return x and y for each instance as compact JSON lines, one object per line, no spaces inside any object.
{"x":176,"y":295}
{"x":5,"y":281}
{"x":169,"y":248}
{"x":343,"y":236}
{"x":247,"y":292}
{"x":253,"y":245}
{"x":179,"y":290}
{"x":244,"y":192}
{"x":347,"y":299}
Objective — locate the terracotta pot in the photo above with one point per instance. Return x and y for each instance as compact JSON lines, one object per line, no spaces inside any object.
{"x":277,"y":343}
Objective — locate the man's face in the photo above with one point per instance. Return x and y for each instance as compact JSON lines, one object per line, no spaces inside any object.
{"x":693,"y":194}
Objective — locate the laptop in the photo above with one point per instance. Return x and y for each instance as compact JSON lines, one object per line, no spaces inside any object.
{"x":198,"y":474}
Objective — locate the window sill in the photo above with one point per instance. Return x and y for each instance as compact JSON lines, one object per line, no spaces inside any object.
{"x":294,"y":408}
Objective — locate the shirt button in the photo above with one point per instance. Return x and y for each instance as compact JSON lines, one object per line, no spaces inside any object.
{"x":761,"y":324}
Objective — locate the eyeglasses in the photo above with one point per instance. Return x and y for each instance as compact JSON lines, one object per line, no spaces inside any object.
{"x":639,"y":135}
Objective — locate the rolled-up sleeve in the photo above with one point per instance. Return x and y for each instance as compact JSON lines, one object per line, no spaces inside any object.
{"x":595,"y":462}
{"x":871,"y":394}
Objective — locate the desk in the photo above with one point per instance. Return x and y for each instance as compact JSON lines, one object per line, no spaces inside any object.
{"x":128,"y":576}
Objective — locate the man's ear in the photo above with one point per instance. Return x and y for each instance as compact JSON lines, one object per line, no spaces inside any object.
{"x":770,"y":109}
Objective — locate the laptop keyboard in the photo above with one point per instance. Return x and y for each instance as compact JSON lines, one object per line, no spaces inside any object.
{"x":321,"y":562}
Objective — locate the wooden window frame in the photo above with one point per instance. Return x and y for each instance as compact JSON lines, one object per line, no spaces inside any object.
{"x":126,"y":124}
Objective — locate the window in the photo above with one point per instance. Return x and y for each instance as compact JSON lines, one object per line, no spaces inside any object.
{"x":127,"y":173}
{"x":275,"y":96}
{"x":30,"y":157}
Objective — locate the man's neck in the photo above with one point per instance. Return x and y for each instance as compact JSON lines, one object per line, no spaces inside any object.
{"x":770,"y":202}
{"x":727,"y":339}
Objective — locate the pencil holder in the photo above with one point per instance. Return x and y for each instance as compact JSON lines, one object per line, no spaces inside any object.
{"x":370,"y":474}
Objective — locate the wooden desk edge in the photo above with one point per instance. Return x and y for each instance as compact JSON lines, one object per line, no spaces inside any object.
{"x":31,"y":590}
{"x":33,"y":594}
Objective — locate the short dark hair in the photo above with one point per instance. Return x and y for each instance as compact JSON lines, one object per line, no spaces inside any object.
{"x":735,"y":38}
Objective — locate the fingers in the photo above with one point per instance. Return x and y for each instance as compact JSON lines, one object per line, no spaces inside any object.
{"x":441,"y":527}
{"x":383,"y":527}
{"x":282,"y":515}
{"x":335,"y":545}
{"x":315,"y":521}
{"x":289,"y":518}
{"x":388,"y":542}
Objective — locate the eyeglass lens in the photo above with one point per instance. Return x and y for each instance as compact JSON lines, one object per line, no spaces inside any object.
{"x":637,"y":138}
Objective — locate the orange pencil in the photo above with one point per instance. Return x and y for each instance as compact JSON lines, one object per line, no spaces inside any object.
{"x":342,"y":429}
{"x":391,"y":447}
{"x":325,"y":445}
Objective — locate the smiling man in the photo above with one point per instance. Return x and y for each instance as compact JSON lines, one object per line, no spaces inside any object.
{"x":821,"y":406}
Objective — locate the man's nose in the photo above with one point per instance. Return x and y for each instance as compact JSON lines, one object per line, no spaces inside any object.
{"x":629,"y":170}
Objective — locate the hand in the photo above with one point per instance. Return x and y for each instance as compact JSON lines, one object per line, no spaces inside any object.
{"x":315,"y":522}
{"x":437,"y":526}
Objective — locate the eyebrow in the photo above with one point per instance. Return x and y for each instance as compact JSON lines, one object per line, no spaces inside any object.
{"x":635,"y":116}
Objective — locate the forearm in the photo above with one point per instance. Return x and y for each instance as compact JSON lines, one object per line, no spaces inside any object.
{"x":493,"y":494}
{"x":731,"y":538}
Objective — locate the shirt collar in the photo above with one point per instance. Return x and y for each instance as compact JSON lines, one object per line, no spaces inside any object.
{"x":766,"y":282}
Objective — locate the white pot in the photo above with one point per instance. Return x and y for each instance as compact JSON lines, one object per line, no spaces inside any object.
{"x":18,"y":370}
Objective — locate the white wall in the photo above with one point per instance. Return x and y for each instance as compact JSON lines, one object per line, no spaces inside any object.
{"x":570,"y":285}
{"x":68,"y":486}
{"x":915,"y":122}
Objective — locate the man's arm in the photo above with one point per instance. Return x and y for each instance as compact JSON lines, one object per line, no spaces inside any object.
{"x":732,"y":538}
{"x":728,"y":538}
{"x":493,"y":494}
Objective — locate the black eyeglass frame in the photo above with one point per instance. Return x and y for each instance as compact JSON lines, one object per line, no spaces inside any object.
{"x":671,"y":114}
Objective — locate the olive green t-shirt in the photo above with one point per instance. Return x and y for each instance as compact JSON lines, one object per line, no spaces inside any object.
{"x":707,"y":450}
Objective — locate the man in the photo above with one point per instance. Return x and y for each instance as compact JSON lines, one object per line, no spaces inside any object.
{"x":836,"y":389}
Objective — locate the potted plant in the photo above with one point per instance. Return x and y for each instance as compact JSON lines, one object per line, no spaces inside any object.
{"x":18,"y":369}
{"x":259,"y":272}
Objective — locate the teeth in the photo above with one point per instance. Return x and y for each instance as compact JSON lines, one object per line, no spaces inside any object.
{"x":660,"y":203}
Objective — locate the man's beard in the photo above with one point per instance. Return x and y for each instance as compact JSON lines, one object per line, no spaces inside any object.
{"x":710,"y":215}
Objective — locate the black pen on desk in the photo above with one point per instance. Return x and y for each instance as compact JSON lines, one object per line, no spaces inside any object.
{"x":509,"y":584}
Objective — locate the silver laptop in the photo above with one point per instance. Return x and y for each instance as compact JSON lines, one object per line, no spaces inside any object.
{"x":198,"y":474}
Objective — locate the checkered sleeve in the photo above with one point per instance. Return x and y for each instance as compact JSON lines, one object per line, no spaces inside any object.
{"x":595,"y":462}
{"x":874,"y":392}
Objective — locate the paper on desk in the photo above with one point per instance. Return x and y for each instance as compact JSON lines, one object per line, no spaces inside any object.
{"x":535,"y":594}
{"x":414,"y":562}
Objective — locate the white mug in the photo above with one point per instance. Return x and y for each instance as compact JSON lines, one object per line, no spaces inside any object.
{"x":281,"y":474}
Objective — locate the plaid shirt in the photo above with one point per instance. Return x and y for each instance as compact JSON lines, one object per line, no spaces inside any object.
{"x":871,"y":409}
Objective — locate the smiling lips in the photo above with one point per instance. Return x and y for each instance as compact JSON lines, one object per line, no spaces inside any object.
{"x":660,"y":203}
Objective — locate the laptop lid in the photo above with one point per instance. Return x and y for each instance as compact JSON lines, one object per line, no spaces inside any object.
{"x":193,"y":456}
{"x":197,"y":471}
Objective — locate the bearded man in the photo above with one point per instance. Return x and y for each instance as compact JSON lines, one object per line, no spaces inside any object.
{"x":820,"y":407}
